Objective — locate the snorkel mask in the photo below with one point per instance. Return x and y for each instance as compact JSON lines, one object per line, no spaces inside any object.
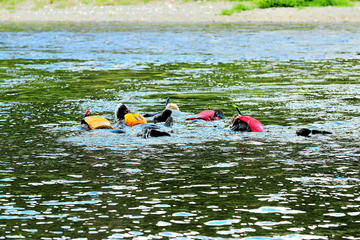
{"x":219,"y":113}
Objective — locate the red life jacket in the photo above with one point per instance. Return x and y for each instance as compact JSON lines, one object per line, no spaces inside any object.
{"x":207,"y":115}
{"x":254,"y":124}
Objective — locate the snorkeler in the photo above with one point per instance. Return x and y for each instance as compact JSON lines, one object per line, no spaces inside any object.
{"x":305,"y":132}
{"x":89,"y":122}
{"x":164,"y":116}
{"x":243,"y":123}
{"x":172,"y":106}
{"x":209,"y":115}
{"x":95,"y":122}
{"x":126,"y":118}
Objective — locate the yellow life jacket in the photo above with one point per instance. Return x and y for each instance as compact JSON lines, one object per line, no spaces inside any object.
{"x":132,"y":119}
{"x":95,"y":122}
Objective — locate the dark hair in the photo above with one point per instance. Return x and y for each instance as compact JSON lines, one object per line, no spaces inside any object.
{"x":241,"y":126}
{"x":219,"y":113}
{"x":120,"y":111}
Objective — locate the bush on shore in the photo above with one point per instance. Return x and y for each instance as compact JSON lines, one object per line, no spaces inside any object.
{"x":251,"y":4}
{"x":302,"y":3}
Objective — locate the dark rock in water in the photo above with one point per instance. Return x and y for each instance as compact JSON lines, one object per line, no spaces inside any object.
{"x":306,"y":132}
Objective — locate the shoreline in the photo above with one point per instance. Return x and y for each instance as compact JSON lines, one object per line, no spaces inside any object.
{"x":179,"y":12}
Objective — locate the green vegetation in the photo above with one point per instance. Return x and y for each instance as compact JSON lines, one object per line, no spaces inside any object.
{"x":302,"y":3}
{"x":9,"y":4}
{"x":237,"y":8}
{"x":248,"y":5}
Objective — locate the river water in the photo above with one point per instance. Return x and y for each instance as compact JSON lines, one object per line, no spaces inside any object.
{"x":205,"y":181}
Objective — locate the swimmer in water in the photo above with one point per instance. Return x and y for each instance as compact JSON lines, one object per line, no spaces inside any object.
{"x":89,"y":122}
{"x":305,"y":132}
{"x":125,"y":118}
{"x":164,"y":116}
{"x":241,"y":123}
{"x":209,"y":115}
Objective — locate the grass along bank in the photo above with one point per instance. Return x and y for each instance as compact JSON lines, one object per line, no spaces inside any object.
{"x":249,"y":5}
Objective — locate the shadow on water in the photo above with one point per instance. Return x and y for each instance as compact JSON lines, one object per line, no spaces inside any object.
{"x":204,"y":181}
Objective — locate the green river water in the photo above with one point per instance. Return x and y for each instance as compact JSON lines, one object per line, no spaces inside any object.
{"x":205,"y":181}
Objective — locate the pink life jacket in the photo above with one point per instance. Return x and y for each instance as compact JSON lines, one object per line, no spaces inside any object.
{"x":254,"y":124}
{"x":207,"y":115}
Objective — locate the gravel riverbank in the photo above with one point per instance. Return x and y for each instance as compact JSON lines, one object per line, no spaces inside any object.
{"x":178,"y":12}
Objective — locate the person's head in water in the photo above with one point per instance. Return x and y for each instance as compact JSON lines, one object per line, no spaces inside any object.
{"x":219,"y":113}
{"x":172,"y":106}
{"x":238,"y":124}
{"x":120,"y":111}
{"x":234,"y":118}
